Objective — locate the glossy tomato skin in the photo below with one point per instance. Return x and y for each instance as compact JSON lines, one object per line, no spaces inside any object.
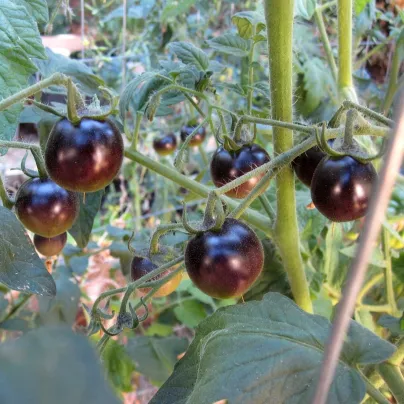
{"x":341,"y":188}
{"x":45,"y":208}
{"x":165,"y":145}
{"x":141,"y":266}
{"x":225,"y":263}
{"x":306,"y":164}
{"x":227,"y":166}
{"x":50,"y":246}
{"x":84,"y":157}
{"x":197,"y":139}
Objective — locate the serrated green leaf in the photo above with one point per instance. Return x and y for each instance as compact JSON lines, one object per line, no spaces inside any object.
{"x":190,"y":54}
{"x":155,"y":357}
{"x":245,"y":21}
{"x":130,"y":91}
{"x":394,"y":324}
{"x":79,"y":264}
{"x":20,"y":267}
{"x":230,"y":44}
{"x":278,"y":349}
{"x":37,"y":8}
{"x":174,"y":8}
{"x":305,"y":8}
{"x":52,"y":365}
{"x":81,"y":74}
{"x":360,"y":5}
{"x":82,"y":227}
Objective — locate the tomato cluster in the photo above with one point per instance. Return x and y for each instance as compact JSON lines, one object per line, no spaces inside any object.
{"x":340,"y":186}
{"x":82,"y":157}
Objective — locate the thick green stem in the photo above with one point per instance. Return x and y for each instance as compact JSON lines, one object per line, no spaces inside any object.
{"x":279,"y":21}
{"x":318,"y":17}
{"x":345,"y":82}
{"x":255,"y":219}
{"x":5,"y":199}
{"x":394,"y":380}
{"x":54,"y":80}
{"x":388,"y":271}
{"x":374,"y":392}
{"x":135,"y":136}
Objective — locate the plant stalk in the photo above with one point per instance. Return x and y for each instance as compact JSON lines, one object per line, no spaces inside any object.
{"x":5,"y":199}
{"x":279,"y":21}
{"x":345,"y":82}
{"x":394,"y":380}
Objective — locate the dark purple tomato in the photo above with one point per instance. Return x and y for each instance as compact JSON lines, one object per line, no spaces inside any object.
{"x":165,"y":145}
{"x":84,"y":157}
{"x":227,"y":166}
{"x":141,"y":266}
{"x":199,"y":137}
{"x":306,"y":164}
{"x":45,"y":208}
{"x":50,"y":246}
{"x":227,"y":262}
{"x":341,"y":188}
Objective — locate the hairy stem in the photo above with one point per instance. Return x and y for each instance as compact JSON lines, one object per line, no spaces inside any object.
{"x":255,"y":219}
{"x":5,"y":199}
{"x":345,"y":82}
{"x":279,"y":21}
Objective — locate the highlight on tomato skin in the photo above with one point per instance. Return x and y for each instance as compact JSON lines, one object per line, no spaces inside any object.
{"x":85,"y":157}
{"x":49,"y":247}
{"x":225,"y":263}
{"x":341,"y":188}
{"x":165,"y":145}
{"x":45,"y":208}
{"x":141,"y":266}
{"x":227,"y":166}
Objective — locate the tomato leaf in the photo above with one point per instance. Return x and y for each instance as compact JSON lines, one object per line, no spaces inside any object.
{"x":394,"y":324}
{"x":190,"y":54}
{"x":37,"y":8}
{"x":305,"y":8}
{"x":190,"y":313}
{"x":82,"y":227}
{"x":21,"y":268}
{"x":52,"y":365}
{"x":19,"y":42}
{"x":247,"y":21}
{"x":81,"y":74}
{"x":267,"y":349}
{"x":63,"y":307}
{"x":155,"y":357}
{"x":230,"y":44}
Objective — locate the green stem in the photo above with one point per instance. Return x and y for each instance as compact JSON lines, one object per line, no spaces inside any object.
{"x":327,"y":5}
{"x":368,"y":112}
{"x":5,"y":199}
{"x":374,"y":392}
{"x":203,"y":154}
{"x":54,"y":80}
{"x":195,"y":105}
{"x":398,"y":357}
{"x":279,"y":22}
{"x":388,"y":271}
{"x":161,"y":231}
{"x":135,"y":136}
{"x":267,"y":206}
{"x":72,"y":113}
{"x":393,"y":79}
{"x":39,"y":161}
{"x":318,"y":17}
{"x":250,"y":77}
{"x":255,"y":219}
{"x":394,"y":380}
{"x":345,"y":82}
{"x":368,"y":286}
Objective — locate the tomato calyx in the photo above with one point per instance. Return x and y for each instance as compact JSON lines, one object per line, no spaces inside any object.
{"x":213,"y":218}
{"x":346,"y":146}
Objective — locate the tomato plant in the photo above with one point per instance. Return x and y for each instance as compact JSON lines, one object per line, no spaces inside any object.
{"x":177,"y":268}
